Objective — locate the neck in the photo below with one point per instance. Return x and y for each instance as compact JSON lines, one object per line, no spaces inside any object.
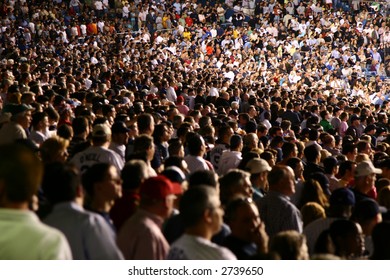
{"x":100,"y":205}
{"x":199,"y":231}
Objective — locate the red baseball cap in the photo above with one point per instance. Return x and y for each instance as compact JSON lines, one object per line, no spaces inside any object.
{"x":159,"y":187}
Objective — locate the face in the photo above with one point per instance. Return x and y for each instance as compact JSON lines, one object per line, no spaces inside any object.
{"x":216,"y":214}
{"x":245,"y":222}
{"x":288,"y":182}
{"x":299,"y":170}
{"x":355,"y":245}
{"x":25,"y":120}
{"x":111,"y":186}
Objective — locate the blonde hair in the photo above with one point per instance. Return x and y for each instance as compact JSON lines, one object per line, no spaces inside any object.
{"x":51,"y":147}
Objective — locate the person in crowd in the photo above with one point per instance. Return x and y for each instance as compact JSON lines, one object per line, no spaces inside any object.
{"x":202,"y":214}
{"x":140,"y":237}
{"x":276,"y":210}
{"x":88,"y":234}
{"x":23,"y":235}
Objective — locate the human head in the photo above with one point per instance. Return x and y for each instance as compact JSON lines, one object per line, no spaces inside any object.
{"x":281,"y":179}
{"x":102,"y":182}
{"x":54,"y":149}
{"x":133,"y":174}
{"x":289,"y":245}
{"x":347,"y":237}
{"x":200,"y":208}
{"x":20,"y":175}
{"x":243,"y":218}
{"x":61,"y":182}
{"x":158,"y":195}
{"x":365,"y":176}
{"x":235,"y":182}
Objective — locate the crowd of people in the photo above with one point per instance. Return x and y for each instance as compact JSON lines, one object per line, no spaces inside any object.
{"x":194,"y":129}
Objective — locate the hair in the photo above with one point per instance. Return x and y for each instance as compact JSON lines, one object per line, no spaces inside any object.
{"x":312,"y":192}
{"x":51,"y":147}
{"x":203,"y":177}
{"x":95,"y":173}
{"x":80,"y":125}
{"x":311,"y":153}
{"x":287,"y":149}
{"x":194,"y":144}
{"x":231,"y":183}
{"x":144,"y":121}
{"x":293,"y":162}
{"x":20,"y":172}
{"x":133,"y":174}
{"x":142,"y":143}
{"x":384,"y":197}
{"x":345,"y":166}
{"x":65,"y":131}
{"x":37,"y":118}
{"x":233,"y":206}
{"x":159,"y":130}
{"x":312,"y":211}
{"x":288,"y":244}
{"x":60,"y":182}
{"x":194,"y":202}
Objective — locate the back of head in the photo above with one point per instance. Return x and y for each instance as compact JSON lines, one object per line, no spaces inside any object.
{"x":203,"y":177}
{"x":80,"y":125}
{"x":289,"y":245}
{"x":311,"y":152}
{"x":232,"y":184}
{"x":95,"y":173}
{"x":20,"y":174}
{"x":380,"y":238}
{"x":60,"y":182}
{"x":195,"y":144}
{"x":133,"y":174}
{"x":194,"y":202}
{"x":144,"y":122}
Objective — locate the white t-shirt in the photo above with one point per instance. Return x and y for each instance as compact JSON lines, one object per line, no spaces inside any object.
{"x":189,"y":247}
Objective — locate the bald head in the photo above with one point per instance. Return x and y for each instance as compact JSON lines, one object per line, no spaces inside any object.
{"x":281,"y":179}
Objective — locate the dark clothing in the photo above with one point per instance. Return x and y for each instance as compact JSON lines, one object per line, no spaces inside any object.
{"x":310,"y":169}
{"x":292,"y":117}
{"x":242,"y":249}
{"x":124,"y":208}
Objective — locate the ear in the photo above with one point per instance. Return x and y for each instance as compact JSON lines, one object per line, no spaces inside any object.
{"x":208,"y":216}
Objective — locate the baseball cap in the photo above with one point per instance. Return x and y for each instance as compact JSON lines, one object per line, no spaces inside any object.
{"x":367,"y":209}
{"x":159,"y":187}
{"x":175,"y":174}
{"x":330,"y":162}
{"x":151,"y":96}
{"x":101,"y":130}
{"x":180,"y":99}
{"x":15,"y":109}
{"x":342,"y":196}
{"x":366,"y":168}
{"x":257,"y":165}
{"x":119,"y":127}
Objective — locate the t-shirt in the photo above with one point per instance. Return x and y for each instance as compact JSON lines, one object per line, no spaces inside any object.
{"x":190,"y":247}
